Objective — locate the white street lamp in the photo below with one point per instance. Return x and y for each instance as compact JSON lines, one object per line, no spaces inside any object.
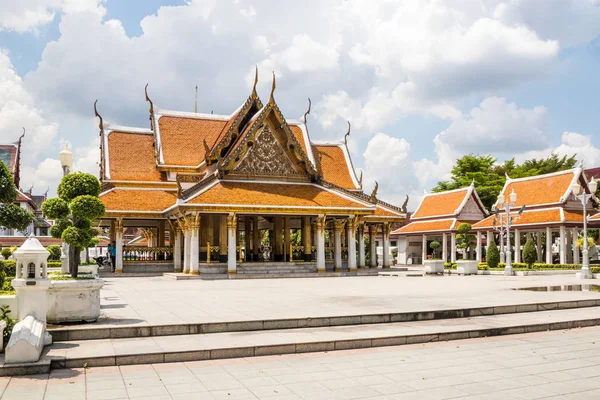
{"x":506,"y":221}
{"x":66,"y":160}
{"x":581,"y":194}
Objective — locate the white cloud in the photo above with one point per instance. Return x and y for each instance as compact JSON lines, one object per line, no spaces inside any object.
{"x":571,"y":144}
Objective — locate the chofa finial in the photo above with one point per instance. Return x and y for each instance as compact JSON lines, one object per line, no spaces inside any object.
{"x":254,"y":94}
{"x":360,"y":180}
{"x":273,"y":86}
{"x":374,"y":193}
{"x":347,"y":134}
{"x":148,"y":99}
{"x":101,"y":124}
{"x":307,"y":111}
{"x":405,"y":205}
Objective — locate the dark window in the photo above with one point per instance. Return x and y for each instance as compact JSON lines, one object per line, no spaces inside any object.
{"x":31,"y":270}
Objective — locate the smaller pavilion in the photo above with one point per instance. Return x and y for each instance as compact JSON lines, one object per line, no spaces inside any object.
{"x":551,"y":212}
{"x":437,"y":218}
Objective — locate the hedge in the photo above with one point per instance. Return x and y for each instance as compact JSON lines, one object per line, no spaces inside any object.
{"x":8,"y":267}
{"x":537,"y":266}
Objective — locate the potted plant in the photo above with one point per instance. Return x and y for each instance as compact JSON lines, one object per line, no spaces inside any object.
{"x":434,"y":265}
{"x":465,"y":241}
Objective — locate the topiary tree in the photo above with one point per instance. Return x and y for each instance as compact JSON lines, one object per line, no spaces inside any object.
{"x":74,"y":210}
{"x":435,"y":245}
{"x":464,"y":240}
{"x":492,"y":255}
{"x":55,"y":253}
{"x":6,"y":252}
{"x":11,"y":215}
{"x":529,"y":253}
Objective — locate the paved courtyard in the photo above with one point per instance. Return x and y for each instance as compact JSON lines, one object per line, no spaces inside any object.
{"x":157,"y":301}
{"x":547,"y":365}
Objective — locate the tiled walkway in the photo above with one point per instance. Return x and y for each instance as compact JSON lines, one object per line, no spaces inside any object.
{"x":560,"y":365}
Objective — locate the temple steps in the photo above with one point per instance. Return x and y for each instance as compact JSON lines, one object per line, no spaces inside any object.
{"x":250,"y":343}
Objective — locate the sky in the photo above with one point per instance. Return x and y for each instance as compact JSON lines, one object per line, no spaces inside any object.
{"x":421,"y":82}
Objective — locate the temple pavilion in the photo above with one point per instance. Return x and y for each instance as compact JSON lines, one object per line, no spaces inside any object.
{"x":552,"y":212}
{"x":437,"y":219}
{"x":235,"y":189}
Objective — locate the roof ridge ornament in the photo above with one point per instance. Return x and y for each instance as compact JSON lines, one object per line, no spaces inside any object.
{"x":254,"y":93}
{"x":347,"y":134}
{"x":360,"y":179}
{"x":373,"y":197}
{"x":273,"y":86}
{"x":148,"y":99}
{"x":101,"y":124}
{"x":405,"y":205}
{"x":307,"y":111}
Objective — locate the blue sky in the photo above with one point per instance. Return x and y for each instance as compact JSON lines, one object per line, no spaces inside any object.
{"x":422,"y":82}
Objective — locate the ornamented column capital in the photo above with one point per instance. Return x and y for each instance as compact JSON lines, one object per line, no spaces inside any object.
{"x":338,"y":224}
{"x":232,"y":221}
{"x":320,"y":223}
{"x":119,"y":224}
{"x":387,"y":227}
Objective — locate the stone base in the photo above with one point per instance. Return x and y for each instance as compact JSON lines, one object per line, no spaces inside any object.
{"x":26,"y":342}
{"x":467,"y":267}
{"x":434,"y":266}
{"x":73,"y":301}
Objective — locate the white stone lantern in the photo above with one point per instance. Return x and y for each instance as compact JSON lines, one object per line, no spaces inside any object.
{"x":31,"y":284}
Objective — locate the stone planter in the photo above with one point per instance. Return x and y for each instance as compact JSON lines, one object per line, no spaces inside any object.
{"x":73,"y":301}
{"x":467,"y":267}
{"x":434,"y":266}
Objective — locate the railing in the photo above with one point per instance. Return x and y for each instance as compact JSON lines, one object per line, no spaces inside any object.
{"x":299,"y":251}
{"x":210,"y":250}
{"x":329,"y":250}
{"x":147,"y":254}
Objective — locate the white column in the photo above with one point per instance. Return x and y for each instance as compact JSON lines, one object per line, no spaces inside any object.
{"x":177,"y":250}
{"x":337,"y":238}
{"x":423,"y":248}
{"x":361,"y":245}
{"x":351,"y":240}
{"x":538,"y":237}
{"x":517,"y":246}
{"x":576,"y":258}
{"x":444,"y":247}
{"x":548,"y":245}
{"x":194,"y":246}
{"x":479,"y":257}
{"x":386,"y":244}
{"x":502,"y":253}
{"x":373,"y":246}
{"x":231,"y":244}
{"x":187,"y":251}
{"x":320,"y":233}
{"x":119,"y":246}
{"x":453,"y":247}
{"x":563,"y":245}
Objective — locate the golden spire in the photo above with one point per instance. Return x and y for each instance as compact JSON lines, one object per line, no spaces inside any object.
{"x":307,"y":111}
{"x":101,"y":124}
{"x":148,"y":99}
{"x":360,"y":179}
{"x":254,"y":94}
{"x":274,"y":85}
{"x":347,"y":134}
{"x":374,"y":193}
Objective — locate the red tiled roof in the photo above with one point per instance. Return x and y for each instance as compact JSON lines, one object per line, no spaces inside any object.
{"x":542,"y":189}
{"x":334,"y":166}
{"x":138,"y":200}
{"x":426,"y":226}
{"x":131,"y":157}
{"x":439,"y":204}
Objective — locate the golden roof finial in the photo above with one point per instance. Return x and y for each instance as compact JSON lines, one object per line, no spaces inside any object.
{"x":101,"y":124}
{"x":347,"y":134}
{"x":254,"y":94}
{"x":374,"y":193}
{"x":148,"y":99}
{"x":22,"y":136}
{"x":360,"y":179}
{"x":274,"y":85}
{"x":307,"y":111}
{"x":405,"y":205}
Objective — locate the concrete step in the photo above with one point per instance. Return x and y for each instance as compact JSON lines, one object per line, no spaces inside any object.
{"x":270,"y":275}
{"x":96,"y":331}
{"x":107,"y":352}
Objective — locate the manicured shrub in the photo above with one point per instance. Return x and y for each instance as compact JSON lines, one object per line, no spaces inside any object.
{"x":529,"y":253}
{"x":54,"y":252}
{"x":492,"y":255}
{"x":8,"y":267}
{"x":435,"y":246}
{"x":6,"y":253}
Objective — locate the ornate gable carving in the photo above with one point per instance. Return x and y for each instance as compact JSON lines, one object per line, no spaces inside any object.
{"x":471,"y":210}
{"x":266,"y":156}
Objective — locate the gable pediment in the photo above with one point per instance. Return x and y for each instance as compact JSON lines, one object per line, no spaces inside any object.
{"x":265,"y":155}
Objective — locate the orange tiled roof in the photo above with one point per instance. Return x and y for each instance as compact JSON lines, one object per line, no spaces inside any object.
{"x":384,"y":212}
{"x":138,"y":200}
{"x":297,"y":131}
{"x":438,"y":204}
{"x":545,"y":189}
{"x":131,"y":157}
{"x":334,"y":167}
{"x":182,"y":139}
{"x":426,"y":226}
{"x":532,"y":217}
{"x":273,"y":194}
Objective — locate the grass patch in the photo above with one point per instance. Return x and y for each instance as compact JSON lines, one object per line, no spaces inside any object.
{"x":8,"y":292}
{"x":65,"y":277}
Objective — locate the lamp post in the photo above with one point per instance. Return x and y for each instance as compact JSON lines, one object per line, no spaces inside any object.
{"x":66,"y":161}
{"x":507,"y":220}
{"x":580,"y":193}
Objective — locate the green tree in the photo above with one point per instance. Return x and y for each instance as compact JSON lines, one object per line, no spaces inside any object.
{"x":11,"y":215}
{"x":489,"y":176}
{"x":492,"y":255}
{"x":435,"y":245}
{"x":74,"y":210}
{"x":6,"y":252}
{"x":464,"y":240}
{"x":529,"y":253}
{"x":55,"y":253}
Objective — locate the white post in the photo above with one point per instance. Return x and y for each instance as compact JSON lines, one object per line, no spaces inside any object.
{"x":576,"y":258}
{"x":538,"y":237}
{"x":351,"y":240}
{"x":548,"y":245}
{"x":231,"y":244}
{"x":187,"y":251}
{"x":320,"y":233}
{"x":517,"y":246}
{"x":479,"y":258}
{"x":338,"y":225}
{"x":563,"y":245}
{"x":423,"y":248}
{"x":373,"y":246}
{"x":177,"y":250}
{"x":194,"y":246}
{"x":444,"y":247}
{"x":361,"y":245}
{"x":119,"y":246}
{"x":453,"y":247}
{"x":386,"y":244}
